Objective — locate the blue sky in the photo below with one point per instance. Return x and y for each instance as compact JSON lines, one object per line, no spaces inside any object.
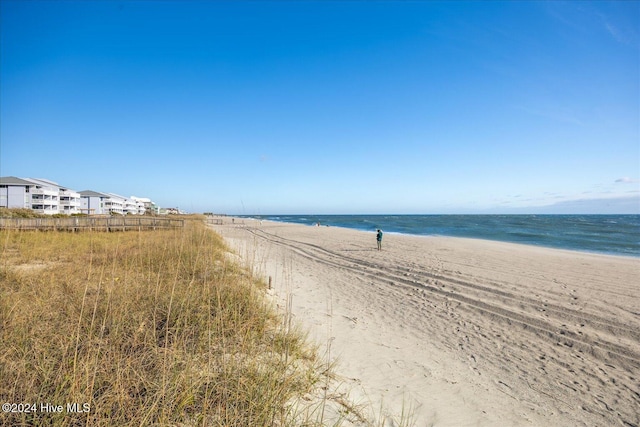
{"x":327,"y":107}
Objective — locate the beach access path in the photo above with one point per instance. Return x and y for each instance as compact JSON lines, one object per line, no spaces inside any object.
{"x":460,"y":332}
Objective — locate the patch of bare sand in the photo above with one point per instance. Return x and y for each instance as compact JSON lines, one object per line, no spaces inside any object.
{"x":31,"y":267}
{"x":459,"y":331}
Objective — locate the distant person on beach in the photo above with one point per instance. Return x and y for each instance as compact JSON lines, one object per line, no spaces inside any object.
{"x":379,"y":239}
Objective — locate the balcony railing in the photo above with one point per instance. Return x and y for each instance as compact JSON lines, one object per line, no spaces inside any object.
{"x":46,"y":191}
{"x":52,"y":203}
{"x":44,"y":197}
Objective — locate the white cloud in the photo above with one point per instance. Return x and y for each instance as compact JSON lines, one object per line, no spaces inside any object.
{"x":624,"y":31}
{"x":615,"y":32}
{"x":627,"y":180}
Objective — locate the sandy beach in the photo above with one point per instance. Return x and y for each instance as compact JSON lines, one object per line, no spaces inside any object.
{"x":460,"y":332}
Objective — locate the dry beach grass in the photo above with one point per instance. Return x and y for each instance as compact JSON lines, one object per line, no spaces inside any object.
{"x":144,"y":328}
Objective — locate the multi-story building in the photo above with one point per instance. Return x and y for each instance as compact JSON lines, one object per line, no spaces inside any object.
{"x":40,"y":195}
{"x":96,"y":203}
{"x":130,"y":207}
{"x":93,"y":202}
{"x":114,"y":204}
{"x":48,"y":197}
{"x":69,"y":201}
{"x":148,"y":207}
{"x":15,"y":192}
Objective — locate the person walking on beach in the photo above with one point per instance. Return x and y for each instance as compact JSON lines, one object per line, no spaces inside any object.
{"x":379,"y":239}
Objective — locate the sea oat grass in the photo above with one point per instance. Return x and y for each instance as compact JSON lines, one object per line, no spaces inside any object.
{"x":142,"y":328}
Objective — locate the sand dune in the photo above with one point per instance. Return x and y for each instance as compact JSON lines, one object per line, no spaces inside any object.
{"x":461,"y":331}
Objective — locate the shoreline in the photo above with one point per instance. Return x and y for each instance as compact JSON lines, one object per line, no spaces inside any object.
{"x":462,"y":331}
{"x":444,"y":236}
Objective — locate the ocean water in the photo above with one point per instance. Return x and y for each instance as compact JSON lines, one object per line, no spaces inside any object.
{"x":607,"y":234}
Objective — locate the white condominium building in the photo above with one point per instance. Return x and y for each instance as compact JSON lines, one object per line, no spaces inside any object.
{"x":40,"y":195}
{"x":47,"y":197}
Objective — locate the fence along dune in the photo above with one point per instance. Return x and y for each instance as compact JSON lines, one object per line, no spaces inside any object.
{"x":114,"y":223}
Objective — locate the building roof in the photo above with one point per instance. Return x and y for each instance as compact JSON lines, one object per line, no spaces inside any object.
{"x":140,"y":199}
{"x":48,"y":183}
{"x":12,"y":180}
{"x":43,"y":181}
{"x":117,"y":196}
{"x":38,"y":182}
{"x":91,"y":193}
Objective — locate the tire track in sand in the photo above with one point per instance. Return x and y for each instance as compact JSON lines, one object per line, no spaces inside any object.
{"x":601,"y":374}
{"x":432,"y":284}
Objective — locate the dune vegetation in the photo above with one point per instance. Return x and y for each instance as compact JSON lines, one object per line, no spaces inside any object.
{"x":143,"y":328}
